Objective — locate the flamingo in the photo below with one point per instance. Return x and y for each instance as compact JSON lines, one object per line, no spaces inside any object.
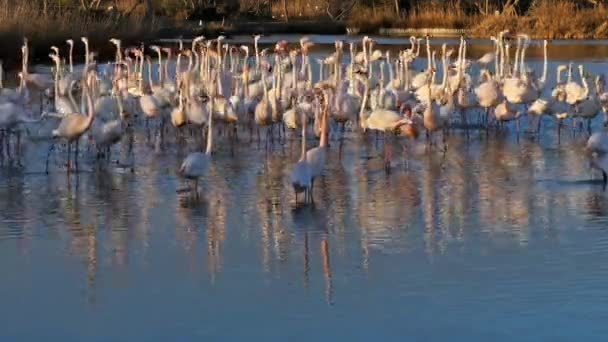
{"x":597,"y":147}
{"x":106,"y":134}
{"x":301,"y":175}
{"x":195,"y":165}
{"x":317,"y":156}
{"x":71,"y":128}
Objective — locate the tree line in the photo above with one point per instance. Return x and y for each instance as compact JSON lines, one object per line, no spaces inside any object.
{"x":332,"y":9}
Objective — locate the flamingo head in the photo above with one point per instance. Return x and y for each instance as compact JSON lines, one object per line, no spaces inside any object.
{"x":281,"y":47}
{"x":294,"y":53}
{"x":155,"y":48}
{"x":55,"y":49}
{"x":377,"y":55}
{"x":307,"y":46}
{"x":85,"y":40}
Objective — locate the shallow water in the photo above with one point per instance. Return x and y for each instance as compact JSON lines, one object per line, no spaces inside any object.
{"x":499,"y":239}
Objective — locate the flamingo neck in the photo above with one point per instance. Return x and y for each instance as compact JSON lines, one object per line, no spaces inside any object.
{"x":517,"y":52}
{"x":428,"y":54}
{"x":303,"y":121}
{"x":323,"y":139}
{"x":210,"y":128}
{"x":543,"y":79}
{"x":71,"y":58}
{"x":362,"y":118}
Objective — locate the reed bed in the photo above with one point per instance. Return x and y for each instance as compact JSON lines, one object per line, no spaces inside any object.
{"x":22,"y":19}
{"x":546,"y":19}
{"x":552,"y":19}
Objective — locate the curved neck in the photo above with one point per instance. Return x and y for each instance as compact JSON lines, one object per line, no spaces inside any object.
{"x":501,"y":50}
{"x":190,"y":63}
{"x":264,"y":88}
{"x":585,"y":85}
{"x":543,"y":79}
{"x":90,"y":109}
{"x":508,"y":61}
{"x":428,"y":54}
{"x":257,"y":54}
{"x":365,"y":56}
{"x":323,"y":139}
{"x":56,"y":78}
{"x":391,"y":74}
{"x":309,"y":75}
{"x":496,"y":58}
{"x":150,"y":79}
{"x":70,"y":96}
{"x":294,"y":79}
{"x":210,"y":128}
{"x":197,"y":62}
{"x":86,"y":55}
{"x":160,"y":67}
{"x":444,"y":66}
{"x":71,"y":58}
{"x":166,"y":70}
{"x":363,"y":104}
{"x":522,"y":66}
{"x":517,"y":51}
{"x":246,"y":81}
{"x":321,"y":71}
{"x":460,"y":49}
{"x":303,"y":122}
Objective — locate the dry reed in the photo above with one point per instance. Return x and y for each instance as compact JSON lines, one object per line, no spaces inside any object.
{"x":24,"y":20}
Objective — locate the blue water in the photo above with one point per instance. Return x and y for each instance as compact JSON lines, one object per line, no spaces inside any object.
{"x":498,"y":240}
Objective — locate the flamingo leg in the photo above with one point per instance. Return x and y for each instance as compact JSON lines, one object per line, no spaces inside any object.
{"x":48,"y":155}
{"x":2,"y":137}
{"x":76,"y":155}
{"x":69,"y":157}
{"x":8,"y":145}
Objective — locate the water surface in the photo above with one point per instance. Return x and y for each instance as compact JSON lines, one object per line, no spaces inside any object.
{"x":499,"y":239}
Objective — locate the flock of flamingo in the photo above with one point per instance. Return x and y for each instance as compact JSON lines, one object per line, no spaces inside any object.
{"x":214,"y":90}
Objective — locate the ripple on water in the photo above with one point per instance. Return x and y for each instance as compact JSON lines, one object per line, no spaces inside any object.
{"x":504,"y":237}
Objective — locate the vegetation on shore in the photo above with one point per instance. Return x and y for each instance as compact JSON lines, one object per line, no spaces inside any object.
{"x":25,"y":19}
{"x":51,"y":22}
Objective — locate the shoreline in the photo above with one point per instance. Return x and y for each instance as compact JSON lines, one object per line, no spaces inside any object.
{"x":228,"y":28}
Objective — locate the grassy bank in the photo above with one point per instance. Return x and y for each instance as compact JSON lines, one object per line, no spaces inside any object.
{"x":551,"y":19}
{"x":545,"y":19}
{"x":22,"y":19}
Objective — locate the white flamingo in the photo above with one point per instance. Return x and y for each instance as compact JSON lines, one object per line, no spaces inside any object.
{"x":195,"y":164}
